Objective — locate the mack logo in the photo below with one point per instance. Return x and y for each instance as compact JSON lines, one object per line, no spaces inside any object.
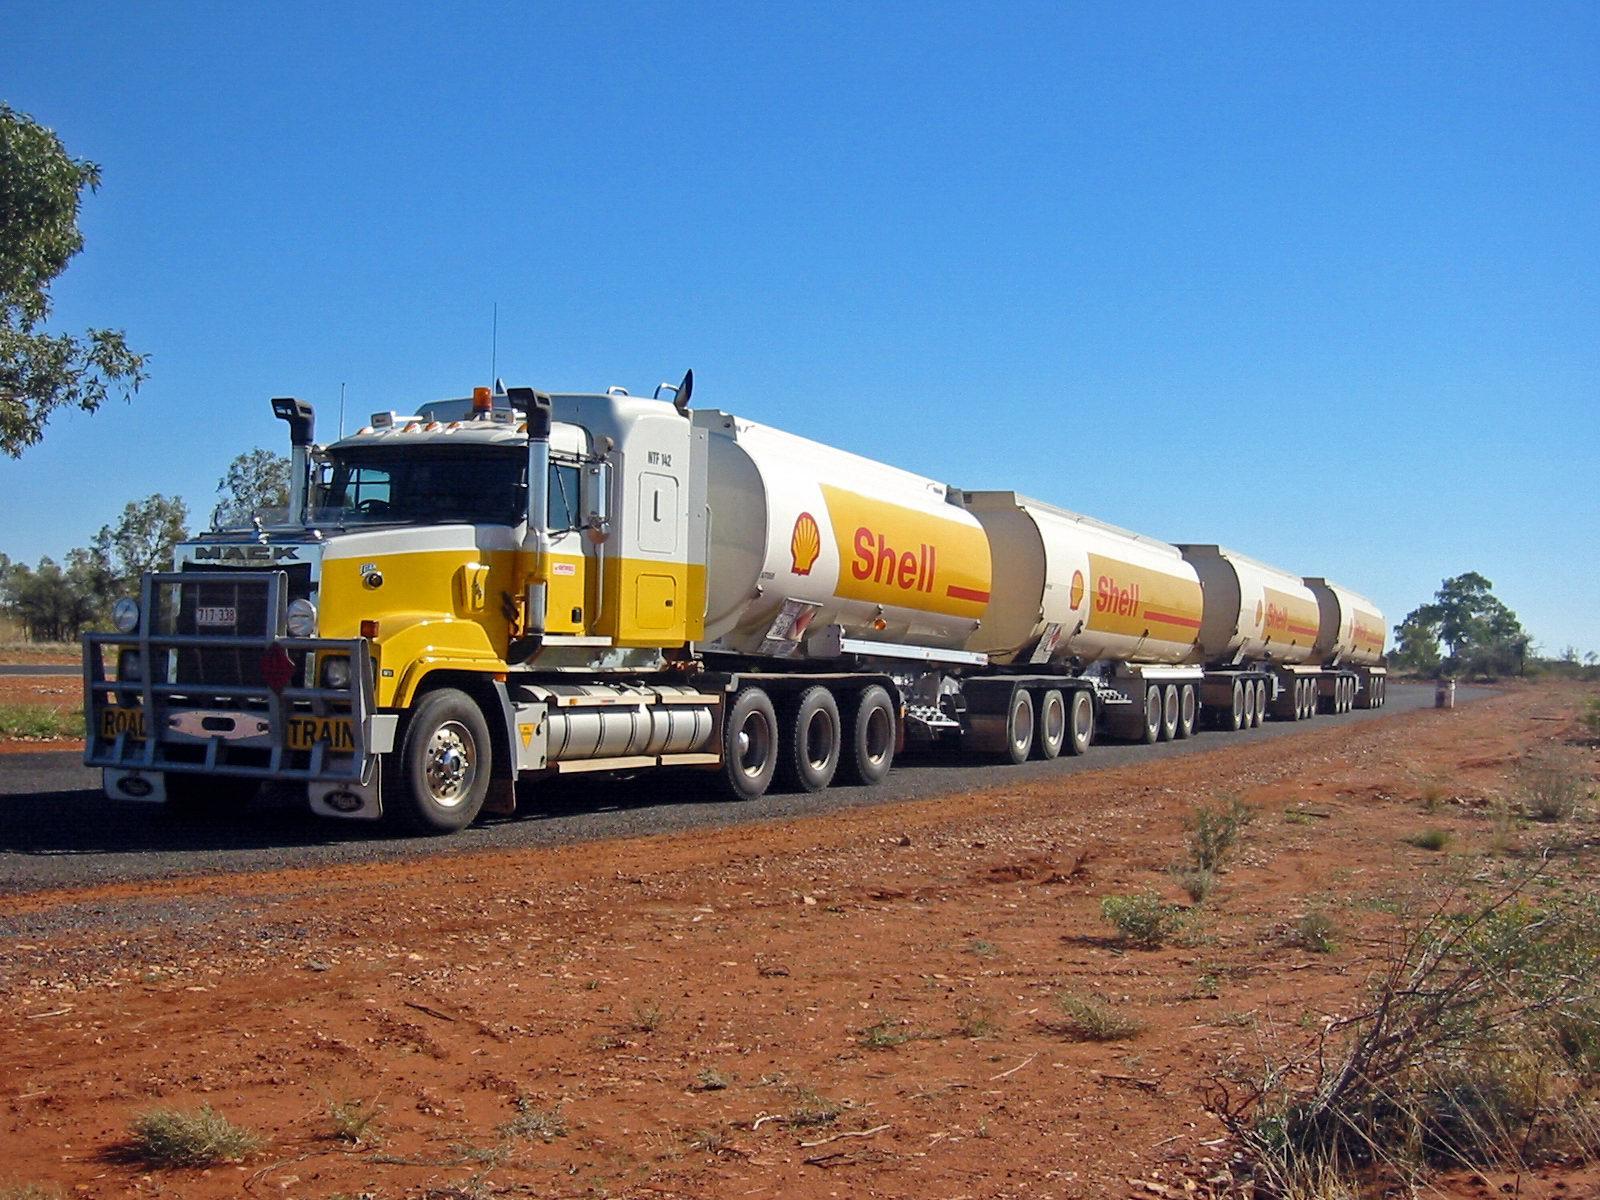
{"x":135,"y":785}
{"x":876,"y":560}
{"x":344,"y":801}
{"x":245,"y":554}
{"x":1109,"y":598}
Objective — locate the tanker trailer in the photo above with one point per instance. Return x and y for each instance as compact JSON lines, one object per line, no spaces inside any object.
{"x":1116,"y":611}
{"x":1258,"y":641}
{"x":1350,"y":636}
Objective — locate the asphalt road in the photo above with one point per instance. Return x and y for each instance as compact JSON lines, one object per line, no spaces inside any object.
{"x":57,"y":829}
{"x":40,"y":669}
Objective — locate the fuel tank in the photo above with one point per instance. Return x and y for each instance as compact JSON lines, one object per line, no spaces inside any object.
{"x":803,"y":536}
{"x":1351,"y":630}
{"x":1252,"y":611}
{"x":1073,"y":588}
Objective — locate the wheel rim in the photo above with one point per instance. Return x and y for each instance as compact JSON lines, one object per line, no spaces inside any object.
{"x":819,"y":740}
{"x":1055,"y":720}
{"x":754,"y":744}
{"x":1021,"y":725}
{"x":1082,"y":715}
{"x":880,"y":735}
{"x":1240,"y":715}
{"x":450,"y":765}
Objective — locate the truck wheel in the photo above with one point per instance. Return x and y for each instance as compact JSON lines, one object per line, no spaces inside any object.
{"x":193,"y":797}
{"x":749,"y":745}
{"x":1080,"y":729}
{"x":1169,"y":712}
{"x":1258,"y":709}
{"x":1239,"y":715}
{"x":444,"y":765}
{"x":1052,"y":731}
{"x":870,"y":751}
{"x":1019,"y":727}
{"x":810,"y":746}
{"x":1150,"y":731}
{"x":1188,"y":710}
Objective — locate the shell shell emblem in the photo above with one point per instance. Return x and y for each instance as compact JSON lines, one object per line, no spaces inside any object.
{"x":805,"y":543}
{"x":1076,"y":596}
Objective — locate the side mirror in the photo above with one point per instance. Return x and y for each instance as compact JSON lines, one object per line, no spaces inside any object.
{"x":597,"y":501}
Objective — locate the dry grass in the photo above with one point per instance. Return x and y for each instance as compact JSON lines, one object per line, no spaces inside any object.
{"x":166,"y":1137}
{"x":1090,"y":1020}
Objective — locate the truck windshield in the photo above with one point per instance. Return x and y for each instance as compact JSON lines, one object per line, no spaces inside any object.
{"x":423,"y":485}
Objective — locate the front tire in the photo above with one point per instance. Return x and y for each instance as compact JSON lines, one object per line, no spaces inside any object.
{"x":810,"y":751}
{"x":444,"y":765}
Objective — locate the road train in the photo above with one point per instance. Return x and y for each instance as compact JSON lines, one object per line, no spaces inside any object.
{"x":420,"y":630}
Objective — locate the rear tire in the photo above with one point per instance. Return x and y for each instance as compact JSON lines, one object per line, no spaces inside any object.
{"x":1258,"y":710}
{"x":1080,"y":726}
{"x":810,"y":742}
{"x":749,"y":745}
{"x":1188,"y":710}
{"x":443,"y":765}
{"x":1238,"y":717}
{"x":1150,"y":733}
{"x":1169,"y":712}
{"x":1019,"y":728}
{"x":867,"y":756}
{"x":1052,"y":731}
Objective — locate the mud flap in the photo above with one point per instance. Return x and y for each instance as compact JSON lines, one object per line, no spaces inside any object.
{"x":149,"y":786}
{"x":351,"y":801}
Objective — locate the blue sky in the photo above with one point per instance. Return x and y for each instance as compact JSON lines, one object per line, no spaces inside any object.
{"x":1321,"y":283}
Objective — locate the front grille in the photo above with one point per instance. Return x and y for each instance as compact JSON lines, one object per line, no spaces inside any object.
{"x":214,"y":589}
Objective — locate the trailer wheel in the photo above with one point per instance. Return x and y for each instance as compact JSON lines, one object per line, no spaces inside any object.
{"x":1239,"y":715}
{"x":444,"y":765}
{"x":1169,"y":712}
{"x":810,"y":742}
{"x":1052,"y":732}
{"x":869,"y":726}
{"x":191,"y":797}
{"x":1150,"y":731}
{"x":1080,"y":729}
{"x":749,"y":745}
{"x":1019,"y":727}
{"x":1258,"y":708}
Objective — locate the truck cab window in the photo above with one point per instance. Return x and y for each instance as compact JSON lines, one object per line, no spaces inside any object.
{"x":565,"y":510}
{"x":423,"y":484}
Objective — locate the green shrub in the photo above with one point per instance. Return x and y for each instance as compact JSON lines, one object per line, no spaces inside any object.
{"x":1214,"y":833}
{"x":1552,"y":785}
{"x":1430,"y":839}
{"x":1145,"y":920}
{"x":1314,"y":932}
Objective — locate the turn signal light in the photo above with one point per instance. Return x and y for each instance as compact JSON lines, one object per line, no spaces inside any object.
{"x":369,"y":630}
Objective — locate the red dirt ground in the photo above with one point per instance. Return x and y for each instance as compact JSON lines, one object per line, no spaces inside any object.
{"x":896,"y":966}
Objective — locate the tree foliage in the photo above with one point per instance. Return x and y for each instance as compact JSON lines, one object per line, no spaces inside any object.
{"x":142,"y":540}
{"x":1480,"y":634}
{"x":255,"y":480}
{"x":41,"y":187}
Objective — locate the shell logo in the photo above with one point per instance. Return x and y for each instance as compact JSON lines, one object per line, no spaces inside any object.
{"x":1075,"y":598}
{"x":805,"y":543}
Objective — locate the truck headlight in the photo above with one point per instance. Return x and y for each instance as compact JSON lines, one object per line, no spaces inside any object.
{"x":302,"y":618}
{"x":336,"y":673}
{"x":130,"y":667}
{"x":125,"y":614}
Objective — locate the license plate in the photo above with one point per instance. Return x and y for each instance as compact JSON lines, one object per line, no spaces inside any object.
{"x":115,"y":721}
{"x":306,"y":732}
{"x":217,"y":614}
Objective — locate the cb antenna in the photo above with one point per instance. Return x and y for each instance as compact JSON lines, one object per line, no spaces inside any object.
{"x":494,"y":341}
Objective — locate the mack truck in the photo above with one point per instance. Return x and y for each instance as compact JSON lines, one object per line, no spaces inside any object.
{"x":518,"y":585}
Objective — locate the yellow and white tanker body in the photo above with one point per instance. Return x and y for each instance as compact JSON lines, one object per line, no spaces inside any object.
{"x":677,"y":588}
